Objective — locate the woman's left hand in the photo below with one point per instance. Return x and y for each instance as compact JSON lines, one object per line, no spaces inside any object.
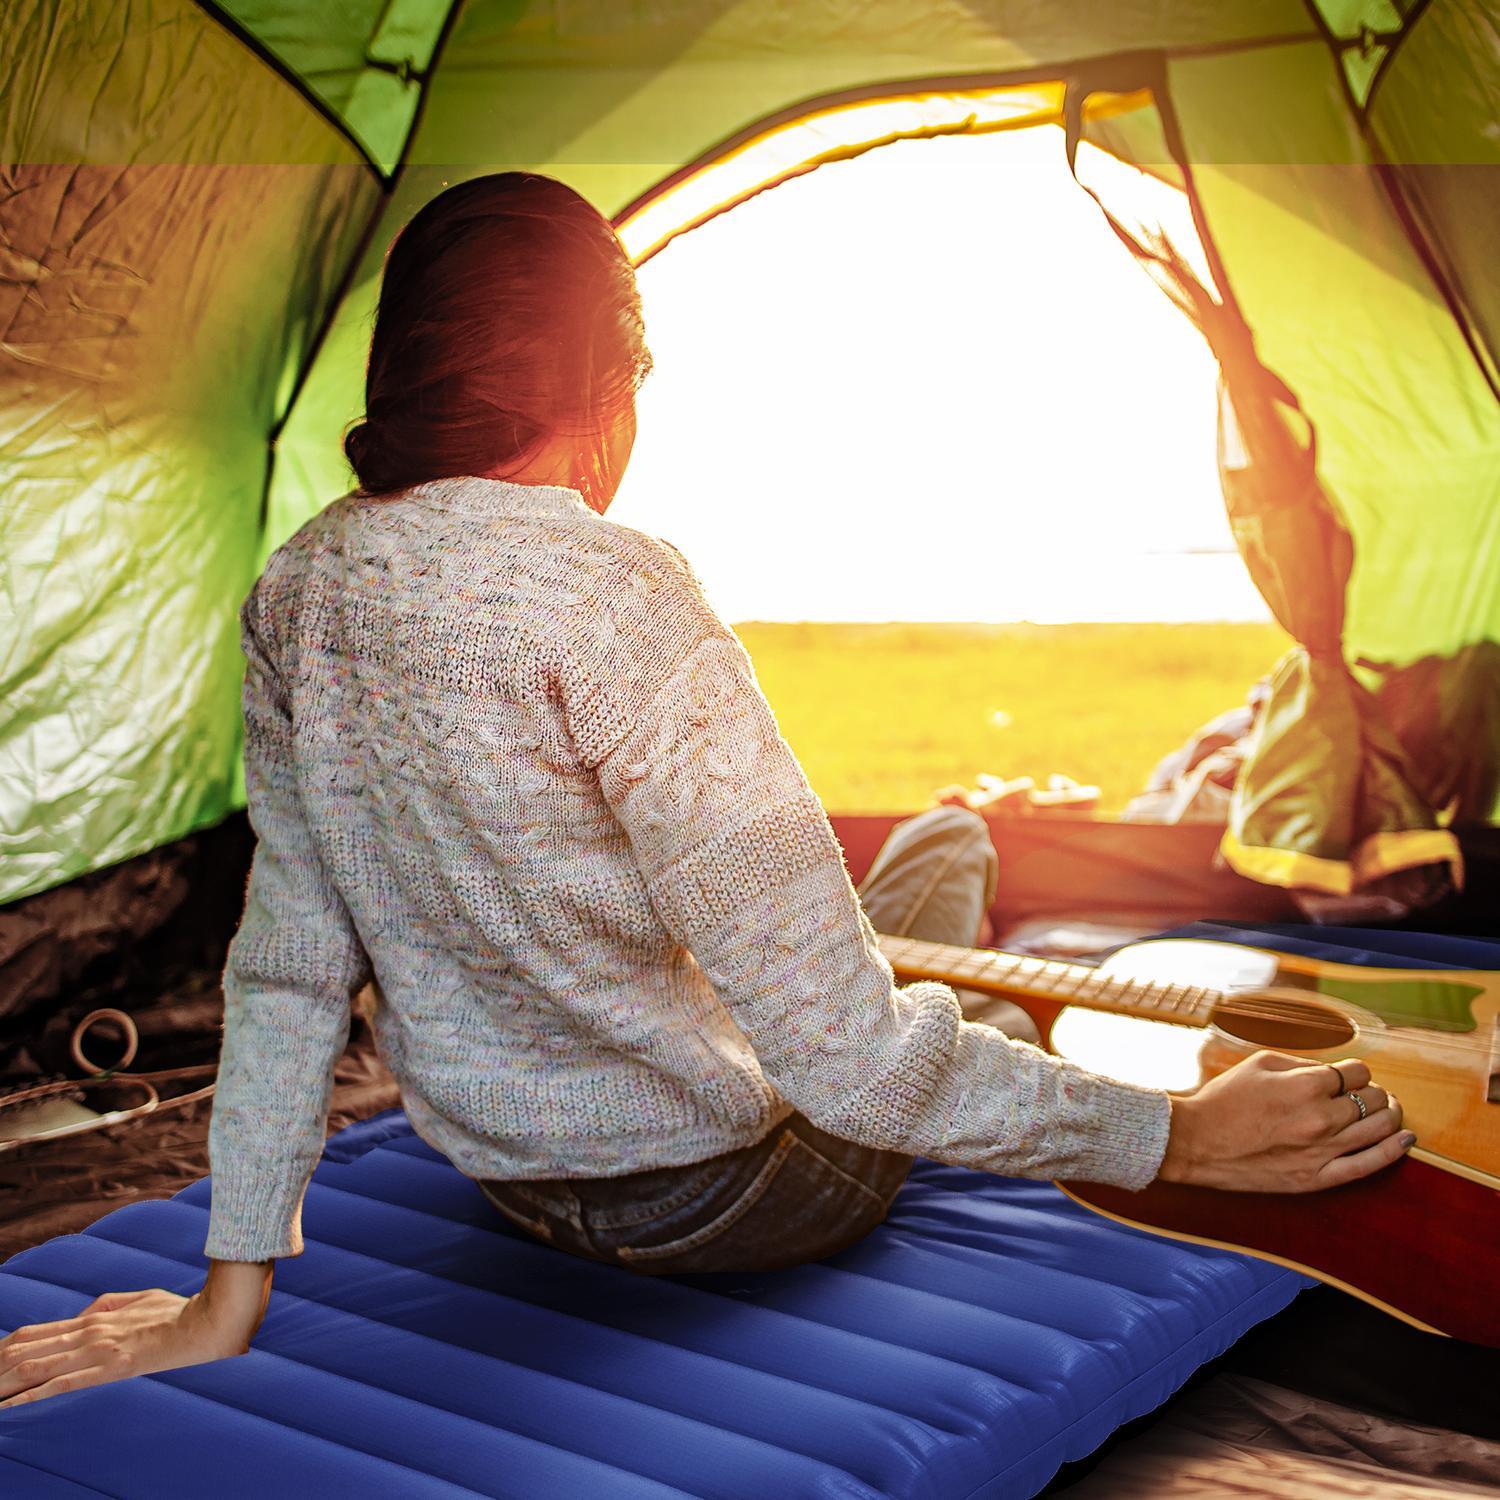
{"x":117,"y":1335}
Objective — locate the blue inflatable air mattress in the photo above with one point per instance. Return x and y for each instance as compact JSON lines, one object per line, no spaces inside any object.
{"x":420,"y":1347}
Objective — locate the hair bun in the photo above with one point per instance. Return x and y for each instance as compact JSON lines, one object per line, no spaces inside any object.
{"x":367,"y":457}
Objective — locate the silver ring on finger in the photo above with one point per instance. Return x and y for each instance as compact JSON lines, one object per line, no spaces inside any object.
{"x":1360,"y":1104}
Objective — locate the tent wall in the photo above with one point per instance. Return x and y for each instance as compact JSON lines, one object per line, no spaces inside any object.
{"x":1347,"y":312}
{"x":1444,"y":151}
{"x":364,"y":61}
{"x":172,"y":230}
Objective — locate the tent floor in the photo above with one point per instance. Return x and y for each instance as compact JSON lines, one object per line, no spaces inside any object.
{"x":1235,"y":1435}
{"x":61,"y":1187}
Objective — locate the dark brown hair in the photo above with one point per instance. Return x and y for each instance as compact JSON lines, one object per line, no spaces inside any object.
{"x":508,"y":312}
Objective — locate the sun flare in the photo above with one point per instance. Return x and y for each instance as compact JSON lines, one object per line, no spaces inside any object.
{"x":928,"y":383}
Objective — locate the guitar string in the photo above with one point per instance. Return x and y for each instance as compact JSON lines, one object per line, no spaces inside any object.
{"x":1217,"y":1001}
{"x":980,"y":968}
{"x":1264,"y":1010}
{"x":1271,"y":1013}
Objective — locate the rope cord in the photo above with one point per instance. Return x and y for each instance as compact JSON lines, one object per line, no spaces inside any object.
{"x":102,"y":1075}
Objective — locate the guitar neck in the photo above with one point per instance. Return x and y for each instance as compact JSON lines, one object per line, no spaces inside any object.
{"x":1015,"y":977}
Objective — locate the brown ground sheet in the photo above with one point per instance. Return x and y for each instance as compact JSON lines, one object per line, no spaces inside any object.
{"x":60,"y":1187}
{"x":1238,"y":1437}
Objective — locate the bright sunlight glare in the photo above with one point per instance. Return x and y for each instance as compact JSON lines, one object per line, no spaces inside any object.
{"x":930,"y":384}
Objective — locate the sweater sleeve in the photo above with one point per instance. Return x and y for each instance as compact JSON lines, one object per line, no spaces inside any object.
{"x":743,"y":868}
{"x":292,"y":968}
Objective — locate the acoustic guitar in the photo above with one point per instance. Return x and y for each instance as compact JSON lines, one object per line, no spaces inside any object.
{"x":1420,"y":1239}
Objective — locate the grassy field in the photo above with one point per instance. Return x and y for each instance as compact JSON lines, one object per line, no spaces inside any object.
{"x":882,"y":715}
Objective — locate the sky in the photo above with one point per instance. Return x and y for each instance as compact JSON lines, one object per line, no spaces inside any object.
{"x":930,"y":384}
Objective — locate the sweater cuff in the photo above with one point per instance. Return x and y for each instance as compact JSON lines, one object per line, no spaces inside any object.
{"x":255,"y":1211}
{"x":1128,"y":1133}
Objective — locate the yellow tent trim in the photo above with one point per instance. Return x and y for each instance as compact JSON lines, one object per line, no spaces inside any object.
{"x":1382,"y":853}
{"x":819,"y":133}
{"x":1288,"y":867}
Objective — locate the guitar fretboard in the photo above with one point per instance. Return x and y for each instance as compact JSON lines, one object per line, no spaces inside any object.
{"x":1048,"y":979}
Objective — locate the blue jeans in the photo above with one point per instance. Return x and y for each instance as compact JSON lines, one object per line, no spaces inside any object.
{"x":798,"y":1193}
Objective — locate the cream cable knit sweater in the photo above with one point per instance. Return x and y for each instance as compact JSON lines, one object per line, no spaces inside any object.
{"x":504,"y":759}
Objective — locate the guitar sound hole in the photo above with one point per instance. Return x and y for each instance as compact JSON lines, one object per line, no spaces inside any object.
{"x":1287,"y":1025}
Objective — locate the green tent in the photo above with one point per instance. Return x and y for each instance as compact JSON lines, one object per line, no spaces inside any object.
{"x":199,"y":197}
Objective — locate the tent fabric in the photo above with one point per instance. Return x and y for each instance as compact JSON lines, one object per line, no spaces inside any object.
{"x":1439,"y":156}
{"x":1325,"y":801}
{"x":1411,"y":455}
{"x":161,"y":280}
{"x":197,"y":199}
{"x":364,"y":60}
{"x":988,"y":1332}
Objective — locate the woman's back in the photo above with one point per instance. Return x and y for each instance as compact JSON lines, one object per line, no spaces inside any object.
{"x":434,"y":649}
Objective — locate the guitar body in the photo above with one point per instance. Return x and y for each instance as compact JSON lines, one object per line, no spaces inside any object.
{"x":1420,"y":1239}
{"x":1414,"y":1240}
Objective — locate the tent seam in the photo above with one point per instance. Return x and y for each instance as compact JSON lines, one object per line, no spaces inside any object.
{"x":1408,"y":24}
{"x":388,"y":185}
{"x":1402,"y":210}
{"x":254,"y":45}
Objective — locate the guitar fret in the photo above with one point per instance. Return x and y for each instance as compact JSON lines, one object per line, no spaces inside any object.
{"x":1066,"y":983}
{"x":1191,"y":1000}
{"x":1070,"y":978}
{"x":1166,"y":1000}
{"x":1102,"y":984}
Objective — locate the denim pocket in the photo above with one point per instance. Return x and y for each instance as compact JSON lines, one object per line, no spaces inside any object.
{"x":798,"y":1207}
{"x":760,"y":1184}
{"x":630,"y":1203}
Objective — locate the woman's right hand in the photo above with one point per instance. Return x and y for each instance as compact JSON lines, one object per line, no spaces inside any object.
{"x":120,"y":1334}
{"x":1277,"y":1124}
